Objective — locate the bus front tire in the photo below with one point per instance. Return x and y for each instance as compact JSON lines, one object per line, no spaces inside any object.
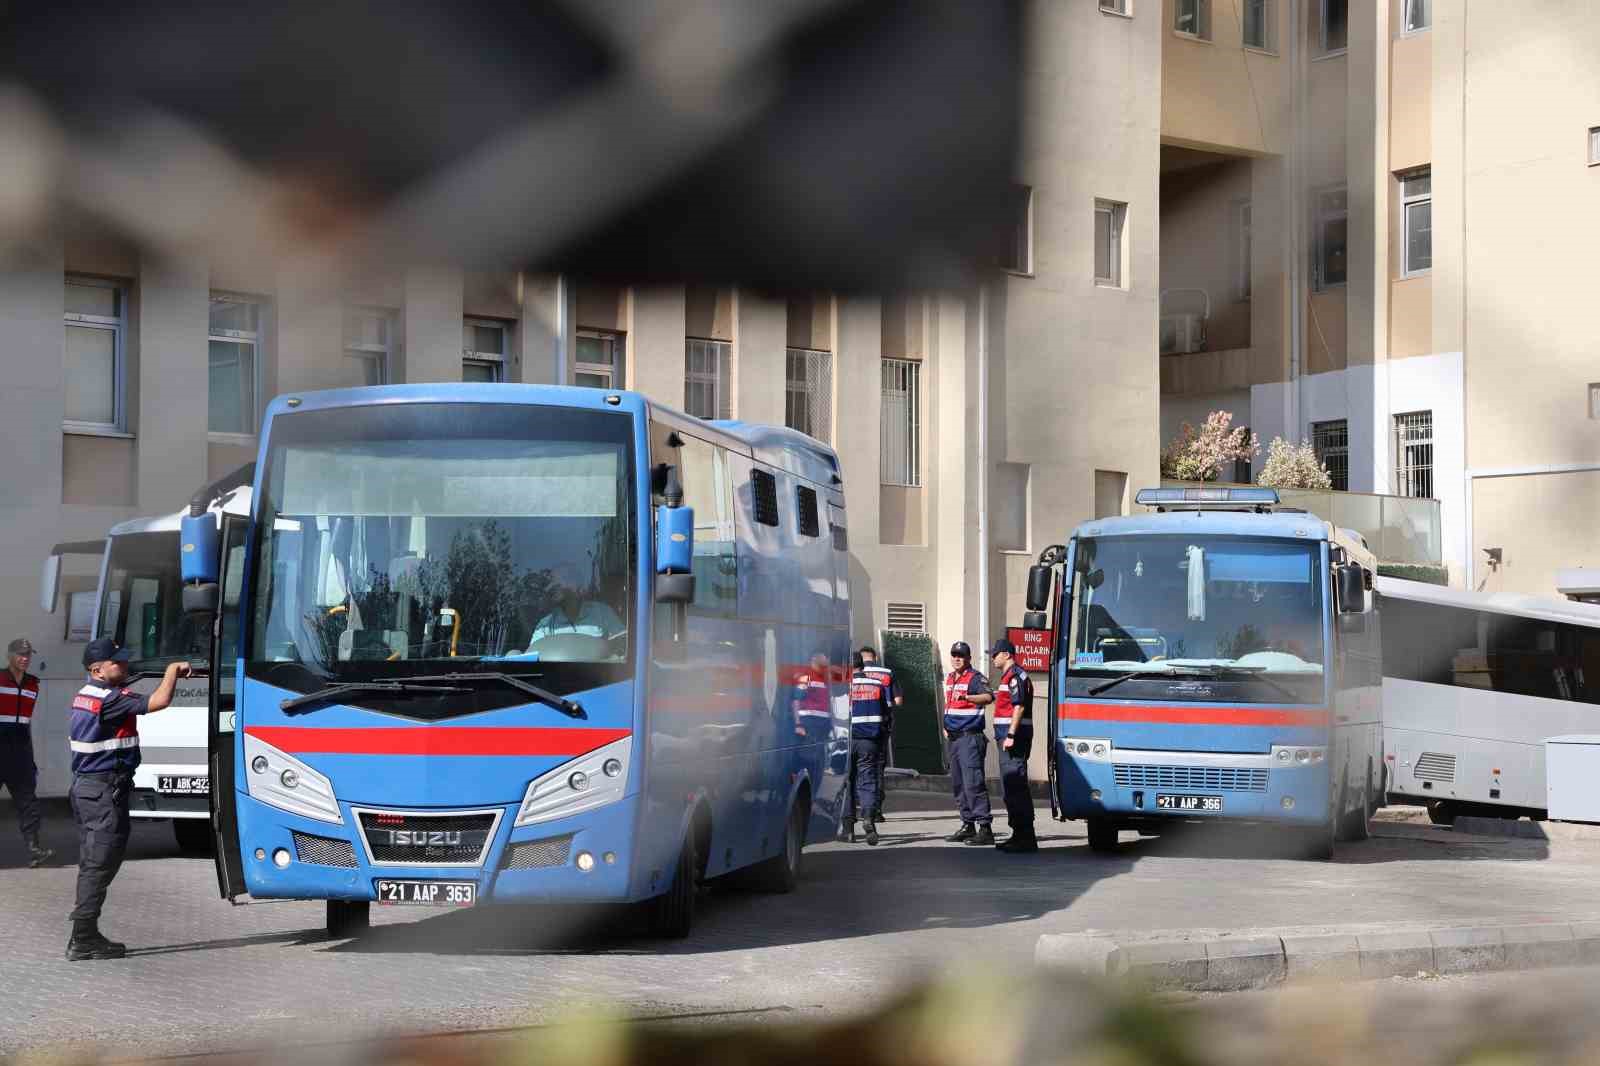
{"x":781,"y":873}
{"x":672,"y":913}
{"x":348,"y":918}
{"x":193,"y":835}
{"x":1442,"y":812}
{"x":1102,"y":836}
{"x":1357,"y":822}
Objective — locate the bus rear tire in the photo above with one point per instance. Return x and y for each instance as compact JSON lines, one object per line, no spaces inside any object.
{"x":1103,"y":836}
{"x":193,"y":835}
{"x":1442,"y":812}
{"x":781,"y":873}
{"x":348,"y":918}
{"x":671,"y":914}
{"x":1357,"y":823}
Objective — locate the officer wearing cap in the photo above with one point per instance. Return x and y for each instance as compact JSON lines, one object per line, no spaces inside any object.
{"x":966,"y":693}
{"x":19,"y":693}
{"x":1013,"y":733}
{"x":871,"y":708}
{"x":104,"y":734}
{"x":869,"y":662}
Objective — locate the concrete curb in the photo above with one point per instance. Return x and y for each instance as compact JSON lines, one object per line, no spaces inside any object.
{"x":1525,"y":830}
{"x":1233,"y":963}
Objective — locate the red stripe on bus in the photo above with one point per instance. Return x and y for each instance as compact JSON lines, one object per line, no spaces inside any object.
{"x":1158,"y":714}
{"x":436,"y":740}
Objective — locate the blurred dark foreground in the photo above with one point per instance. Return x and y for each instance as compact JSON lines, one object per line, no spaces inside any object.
{"x":1021,"y":1017}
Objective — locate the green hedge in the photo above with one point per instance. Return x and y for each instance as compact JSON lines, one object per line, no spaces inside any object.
{"x":1432,"y":575}
{"x":918,"y":738}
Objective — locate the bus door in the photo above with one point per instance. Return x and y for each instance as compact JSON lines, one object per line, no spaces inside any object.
{"x":1049,"y":603}
{"x":220,"y":718}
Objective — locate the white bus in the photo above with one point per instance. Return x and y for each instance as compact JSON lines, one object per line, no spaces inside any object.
{"x":1473,"y":685}
{"x":139,"y":604}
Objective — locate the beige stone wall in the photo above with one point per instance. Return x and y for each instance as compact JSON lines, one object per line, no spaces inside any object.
{"x":1218,"y":94}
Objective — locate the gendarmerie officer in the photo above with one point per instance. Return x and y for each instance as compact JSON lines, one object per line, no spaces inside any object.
{"x":966,"y":693}
{"x":871,"y":707}
{"x":104,"y":733}
{"x":19,"y":775}
{"x":897,"y":699}
{"x":1013,"y":733}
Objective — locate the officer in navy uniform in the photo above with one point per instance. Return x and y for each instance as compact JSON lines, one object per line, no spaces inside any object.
{"x":104,"y":732}
{"x":19,"y":775}
{"x":869,"y":660}
{"x":966,"y":693}
{"x":1013,"y":733}
{"x":871,"y":707}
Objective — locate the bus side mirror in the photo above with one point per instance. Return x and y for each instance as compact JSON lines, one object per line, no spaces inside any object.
{"x":1039,"y":581}
{"x":1350,"y":586}
{"x":674,"y":545}
{"x":50,"y":584}
{"x":200,"y":599}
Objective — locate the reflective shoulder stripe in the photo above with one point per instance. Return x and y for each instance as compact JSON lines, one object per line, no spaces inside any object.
{"x":15,"y":719}
{"x":860,"y":719}
{"x":94,"y":690}
{"x":114,"y":744}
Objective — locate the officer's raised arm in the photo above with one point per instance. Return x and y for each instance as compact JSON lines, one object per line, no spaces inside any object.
{"x":161,"y":698}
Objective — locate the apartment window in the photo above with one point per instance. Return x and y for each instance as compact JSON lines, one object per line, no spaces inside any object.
{"x":1110,"y":220}
{"x":233,"y":363}
{"x":1416,"y":209}
{"x":1417,"y":16}
{"x":1009,"y":505}
{"x":1258,"y":30}
{"x":1331,"y":442}
{"x":1192,"y":18}
{"x":1019,"y":253}
{"x":598,"y":364}
{"x":1333,"y":219}
{"x":1335,"y":26}
{"x":1114,"y":7}
{"x":708,"y":378}
{"x":1594,"y":400}
{"x":1594,"y":146}
{"x":485,"y":344}
{"x":369,"y":343}
{"x":93,"y":353}
{"x":808,"y":392}
{"x":1413,"y":452}
{"x":900,"y":425}
{"x":1241,"y":255}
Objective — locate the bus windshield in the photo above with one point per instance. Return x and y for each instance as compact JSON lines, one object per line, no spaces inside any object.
{"x":1188,"y":604}
{"x":141,"y":605}
{"x":409,"y":539}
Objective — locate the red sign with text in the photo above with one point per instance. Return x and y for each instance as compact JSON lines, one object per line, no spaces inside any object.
{"x":1033,"y":648}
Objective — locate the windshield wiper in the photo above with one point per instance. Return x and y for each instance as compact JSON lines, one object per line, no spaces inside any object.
{"x":570,"y":708}
{"x":302,"y":704}
{"x":1220,"y":670}
{"x":1115,"y":681}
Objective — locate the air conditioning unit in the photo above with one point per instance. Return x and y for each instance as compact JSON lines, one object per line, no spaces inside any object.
{"x":1184,"y":333}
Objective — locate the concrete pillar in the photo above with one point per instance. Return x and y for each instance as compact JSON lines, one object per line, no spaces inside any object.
{"x":545,"y":330}
{"x":432,"y":325}
{"x":760,"y":333}
{"x":953,"y":518}
{"x":655,"y":326}
{"x":857,"y":389}
{"x":173,"y":396}
{"x":310,"y":338}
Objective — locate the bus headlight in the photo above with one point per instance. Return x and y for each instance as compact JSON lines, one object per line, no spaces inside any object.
{"x":1090,"y":749}
{"x":1303,"y":754}
{"x":587,"y":782}
{"x":282,"y":781}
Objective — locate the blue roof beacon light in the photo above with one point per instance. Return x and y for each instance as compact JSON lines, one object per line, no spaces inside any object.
{"x":1258,"y":499}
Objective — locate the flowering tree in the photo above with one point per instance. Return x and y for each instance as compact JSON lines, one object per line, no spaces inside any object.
{"x":1200,"y":454}
{"x":1293,"y":466}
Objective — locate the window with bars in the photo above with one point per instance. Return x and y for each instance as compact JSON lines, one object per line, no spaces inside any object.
{"x":900,"y":426}
{"x":484,"y":346}
{"x":1331,"y":442}
{"x":764,"y":497}
{"x":1416,"y":209}
{"x":1413,"y":453}
{"x":93,"y":349}
{"x":232,"y":366}
{"x":906,"y":617}
{"x":708,"y":378}
{"x":806,"y":504}
{"x":808,"y":392}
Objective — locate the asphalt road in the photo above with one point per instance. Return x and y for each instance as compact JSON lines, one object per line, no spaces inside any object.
{"x":206,"y":976}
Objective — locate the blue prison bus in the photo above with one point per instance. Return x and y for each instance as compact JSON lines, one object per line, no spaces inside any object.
{"x":1215,"y":658}
{"x":524,"y":643}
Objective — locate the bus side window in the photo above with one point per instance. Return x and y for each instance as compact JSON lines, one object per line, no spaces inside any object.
{"x":708,"y":488}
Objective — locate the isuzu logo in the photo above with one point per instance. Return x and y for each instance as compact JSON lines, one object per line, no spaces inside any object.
{"x":424,"y":838}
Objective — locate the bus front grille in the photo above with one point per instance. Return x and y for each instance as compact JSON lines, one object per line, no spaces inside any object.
{"x":1435,"y":766}
{"x":444,"y":839}
{"x":1218,"y":778}
{"x":324,"y":851}
{"x":539,"y":854}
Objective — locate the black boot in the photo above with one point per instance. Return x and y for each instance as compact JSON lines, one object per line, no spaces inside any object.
{"x":878,"y":817}
{"x":37,"y":853}
{"x":87,"y":943}
{"x":872,"y":833}
{"x":1021,"y":841}
{"x":983,"y":838}
{"x":965,"y":833}
{"x":846,"y":833}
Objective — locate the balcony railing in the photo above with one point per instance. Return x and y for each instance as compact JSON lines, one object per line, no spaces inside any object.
{"x":1400,"y":530}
